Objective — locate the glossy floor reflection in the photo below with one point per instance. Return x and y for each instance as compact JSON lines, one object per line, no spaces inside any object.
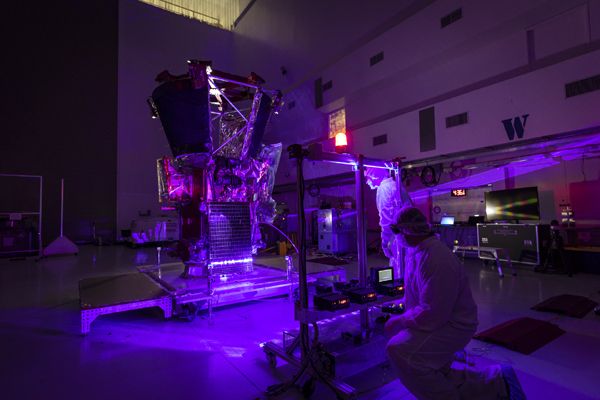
{"x":138,"y":354}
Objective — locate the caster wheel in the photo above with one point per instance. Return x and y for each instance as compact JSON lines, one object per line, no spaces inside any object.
{"x":189,"y":318}
{"x":189,"y":311}
{"x":308,"y":388}
{"x":271,"y":359}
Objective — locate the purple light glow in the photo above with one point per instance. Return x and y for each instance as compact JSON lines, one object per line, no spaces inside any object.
{"x":493,"y":211}
{"x":576,"y":148}
{"x":230,"y":262}
{"x":486,"y":177}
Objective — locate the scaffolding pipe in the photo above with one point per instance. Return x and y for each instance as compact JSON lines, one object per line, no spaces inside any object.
{"x":361,"y":233}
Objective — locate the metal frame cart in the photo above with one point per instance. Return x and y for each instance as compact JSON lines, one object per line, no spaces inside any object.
{"x":313,"y":362}
{"x":164,"y":286}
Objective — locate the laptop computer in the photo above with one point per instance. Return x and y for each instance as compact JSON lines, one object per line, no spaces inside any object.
{"x":384,"y":282}
{"x":447,"y":220}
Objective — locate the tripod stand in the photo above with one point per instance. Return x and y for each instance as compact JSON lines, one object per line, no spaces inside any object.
{"x":555,"y":257}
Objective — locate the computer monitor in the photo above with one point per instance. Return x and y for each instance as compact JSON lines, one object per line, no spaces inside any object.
{"x":385,"y":275}
{"x":380,"y":275}
{"x":512,"y":204}
{"x":447,"y":220}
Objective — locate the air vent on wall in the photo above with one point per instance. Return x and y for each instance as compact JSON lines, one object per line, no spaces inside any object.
{"x":427,"y":129}
{"x":583,"y":86}
{"x":451,"y":18}
{"x":377,"y":58}
{"x":458,"y":119}
{"x":327,"y":85}
{"x":381,"y":139}
{"x":291,"y":105}
{"x":318,"y":92}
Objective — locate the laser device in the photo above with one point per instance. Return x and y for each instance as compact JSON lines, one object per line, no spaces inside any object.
{"x":384,"y":282}
{"x":331,"y":301}
{"x":361,"y":295}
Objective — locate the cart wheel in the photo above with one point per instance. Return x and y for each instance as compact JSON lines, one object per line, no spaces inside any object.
{"x":272,"y":359}
{"x":308,"y":388}
{"x":190,"y":318}
{"x":189,"y":311}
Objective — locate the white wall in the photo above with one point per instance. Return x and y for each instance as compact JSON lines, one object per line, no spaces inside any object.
{"x":150,"y":41}
{"x":487,"y":47}
{"x":423,"y":62}
{"x":481,"y":64}
{"x":306,"y":37}
{"x":539,"y":94}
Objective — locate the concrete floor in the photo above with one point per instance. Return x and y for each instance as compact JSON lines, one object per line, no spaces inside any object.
{"x":138,"y":354}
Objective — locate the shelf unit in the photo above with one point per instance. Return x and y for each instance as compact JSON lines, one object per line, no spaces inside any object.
{"x":13,"y":214}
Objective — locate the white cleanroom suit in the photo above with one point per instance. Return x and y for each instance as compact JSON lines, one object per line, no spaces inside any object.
{"x":440,"y":319}
{"x":389,"y":201}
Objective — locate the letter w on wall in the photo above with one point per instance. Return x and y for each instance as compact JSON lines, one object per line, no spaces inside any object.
{"x":515,"y":126}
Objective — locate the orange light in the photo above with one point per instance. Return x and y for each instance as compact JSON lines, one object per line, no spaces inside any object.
{"x":341,"y":139}
{"x":341,"y":142}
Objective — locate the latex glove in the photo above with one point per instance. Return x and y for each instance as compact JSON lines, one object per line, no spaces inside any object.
{"x":393,"y":326}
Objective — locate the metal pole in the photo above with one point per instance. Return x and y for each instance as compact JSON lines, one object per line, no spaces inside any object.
{"x":297,"y":152}
{"x":213,"y":86}
{"x":302,"y":258}
{"x":62,"y":203}
{"x":40,"y":249}
{"x":230,"y":139}
{"x":361,"y":233}
{"x":405,"y":200}
{"x":302,"y":233}
{"x":246,"y":84}
{"x":290,"y":276}
{"x":211,"y":293}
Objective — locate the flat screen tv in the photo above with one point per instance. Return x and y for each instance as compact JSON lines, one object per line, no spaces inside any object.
{"x":512,"y":204}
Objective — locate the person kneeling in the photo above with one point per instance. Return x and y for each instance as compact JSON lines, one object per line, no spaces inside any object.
{"x":439,"y":321}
